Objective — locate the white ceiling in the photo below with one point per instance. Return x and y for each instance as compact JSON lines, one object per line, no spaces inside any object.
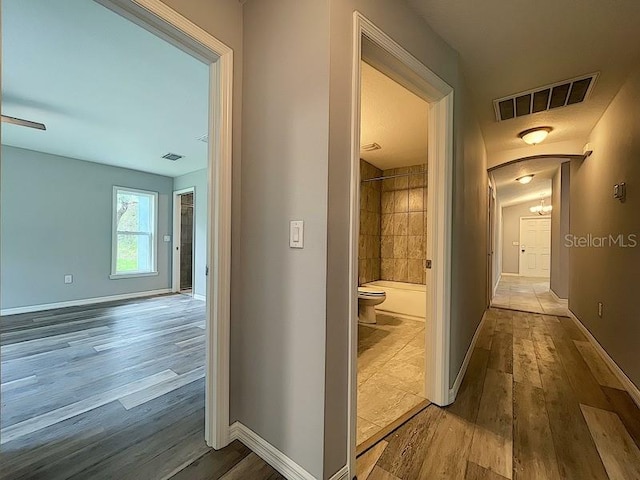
{"x":507,"y":47}
{"x":394,"y":118}
{"x":509,"y":192}
{"x":107,"y":90}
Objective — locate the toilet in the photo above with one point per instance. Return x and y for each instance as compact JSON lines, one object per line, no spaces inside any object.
{"x":368,"y":298}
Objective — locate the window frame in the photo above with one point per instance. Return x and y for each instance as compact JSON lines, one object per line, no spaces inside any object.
{"x":114,"y":233}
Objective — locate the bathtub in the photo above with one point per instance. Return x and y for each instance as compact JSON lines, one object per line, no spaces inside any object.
{"x":407,"y":299}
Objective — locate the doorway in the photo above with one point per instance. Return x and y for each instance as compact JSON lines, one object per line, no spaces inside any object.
{"x":378,"y":50}
{"x":184,"y":237}
{"x":535,"y":247}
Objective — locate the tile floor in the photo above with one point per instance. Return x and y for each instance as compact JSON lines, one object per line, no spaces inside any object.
{"x":390,"y":372}
{"x":529,"y":294}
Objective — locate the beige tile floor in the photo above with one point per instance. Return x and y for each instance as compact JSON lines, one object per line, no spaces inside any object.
{"x":390,"y":372}
{"x":528,"y":294}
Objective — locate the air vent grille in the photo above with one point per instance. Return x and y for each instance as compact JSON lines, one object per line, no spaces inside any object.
{"x":549,"y":97}
{"x":173,"y":156}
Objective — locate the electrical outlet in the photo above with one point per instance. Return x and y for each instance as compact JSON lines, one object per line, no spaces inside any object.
{"x":68,"y":279}
{"x":600,"y":307}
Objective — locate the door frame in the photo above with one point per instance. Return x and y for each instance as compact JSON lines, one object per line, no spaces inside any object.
{"x":411,"y":73}
{"x":176,"y":252}
{"x":529,"y":217}
{"x":156,"y":17}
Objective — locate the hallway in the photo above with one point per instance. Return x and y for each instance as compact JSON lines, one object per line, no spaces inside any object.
{"x":528,"y":294}
{"x":537,"y":403}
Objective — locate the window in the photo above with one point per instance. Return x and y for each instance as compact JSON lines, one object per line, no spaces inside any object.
{"x":134,"y":232}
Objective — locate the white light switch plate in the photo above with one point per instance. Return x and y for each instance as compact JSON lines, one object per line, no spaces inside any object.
{"x":296,"y":234}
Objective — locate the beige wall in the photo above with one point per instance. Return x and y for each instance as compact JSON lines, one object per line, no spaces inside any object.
{"x":511,"y":233}
{"x":404,"y":215}
{"x":559,"y":281}
{"x":370,"y":205}
{"x":610,"y":275}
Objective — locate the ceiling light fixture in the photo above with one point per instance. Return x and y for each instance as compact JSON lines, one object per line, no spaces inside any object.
{"x":534,"y":136}
{"x":173,"y":156}
{"x":541,"y":209}
{"x":524,"y":179}
{"x":23,"y":123}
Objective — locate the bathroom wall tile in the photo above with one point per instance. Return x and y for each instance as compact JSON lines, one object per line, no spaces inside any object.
{"x":387,"y":268}
{"x":401,"y":183}
{"x":362,"y":247}
{"x":376,"y":222}
{"x":416,"y":200}
{"x":400,"y":223}
{"x":415,"y":247}
{"x":415,"y":269}
{"x":386,"y":246}
{"x":400,"y":247}
{"x":401,"y":201}
{"x":375,"y":253}
{"x":388,"y":200}
{"x":376,"y":198}
{"x":387,"y":224}
{"x":387,"y":183}
{"x":376,"y":268}
{"x":400,"y":270}
{"x":416,"y":223}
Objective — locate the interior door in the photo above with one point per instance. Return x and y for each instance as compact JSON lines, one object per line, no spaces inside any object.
{"x":535,"y":247}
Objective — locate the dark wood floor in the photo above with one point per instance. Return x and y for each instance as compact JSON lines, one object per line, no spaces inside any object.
{"x":537,"y":403}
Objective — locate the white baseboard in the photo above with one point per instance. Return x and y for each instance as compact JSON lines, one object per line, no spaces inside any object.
{"x":453,"y":391}
{"x":504,"y":274}
{"x":197,"y":296}
{"x":270,"y":454}
{"x":342,"y":474}
{"x":557,"y":298}
{"x":631,"y":388}
{"x":84,"y":301}
{"x":495,"y":287}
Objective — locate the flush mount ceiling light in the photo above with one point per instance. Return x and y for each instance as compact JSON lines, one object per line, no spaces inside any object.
{"x":370,"y":147}
{"x":541,"y":209}
{"x":524,"y":179}
{"x":534,"y":136}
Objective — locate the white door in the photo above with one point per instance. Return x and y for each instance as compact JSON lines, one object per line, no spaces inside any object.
{"x":535,"y":247}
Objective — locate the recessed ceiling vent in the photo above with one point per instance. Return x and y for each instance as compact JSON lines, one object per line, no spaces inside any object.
{"x":561,"y":94}
{"x":370,"y":147}
{"x":204,"y":138}
{"x":173,"y":156}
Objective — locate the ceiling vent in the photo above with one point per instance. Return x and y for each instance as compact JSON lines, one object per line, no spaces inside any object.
{"x":204,"y":138}
{"x":561,"y":94}
{"x":370,"y":147}
{"x":173,"y":156}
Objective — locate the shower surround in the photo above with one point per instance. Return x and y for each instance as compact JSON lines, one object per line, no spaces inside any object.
{"x":393,"y":225}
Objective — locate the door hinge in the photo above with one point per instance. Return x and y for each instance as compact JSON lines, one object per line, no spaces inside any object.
{"x":206,"y":270}
{"x":427,"y":264}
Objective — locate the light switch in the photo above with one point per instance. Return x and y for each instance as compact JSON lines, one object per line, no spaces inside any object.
{"x":68,"y":279}
{"x":167,"y":238}
{"x":296,"y":234}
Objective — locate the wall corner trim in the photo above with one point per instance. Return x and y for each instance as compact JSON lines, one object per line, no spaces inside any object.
{"x":270,"y":454}
{"x":453,"y":391}
{"x":85,"y":301}
{"x":342,"y":474}
{"x":197,"y":296}
{"x":630,"y":387}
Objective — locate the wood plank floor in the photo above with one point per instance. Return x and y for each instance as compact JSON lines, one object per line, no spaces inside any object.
{"x":537,"y":402}
{"x":113,"y":390}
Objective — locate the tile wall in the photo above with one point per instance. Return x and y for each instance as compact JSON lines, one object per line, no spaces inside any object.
{"x":370,"y":204}
{"x":403,"y":225}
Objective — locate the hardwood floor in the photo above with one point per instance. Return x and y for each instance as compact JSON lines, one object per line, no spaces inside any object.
{"x":537,"y":403}
{"x":117,"y":391}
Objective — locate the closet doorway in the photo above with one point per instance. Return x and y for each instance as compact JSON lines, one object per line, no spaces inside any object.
{"x":183,"y":241}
